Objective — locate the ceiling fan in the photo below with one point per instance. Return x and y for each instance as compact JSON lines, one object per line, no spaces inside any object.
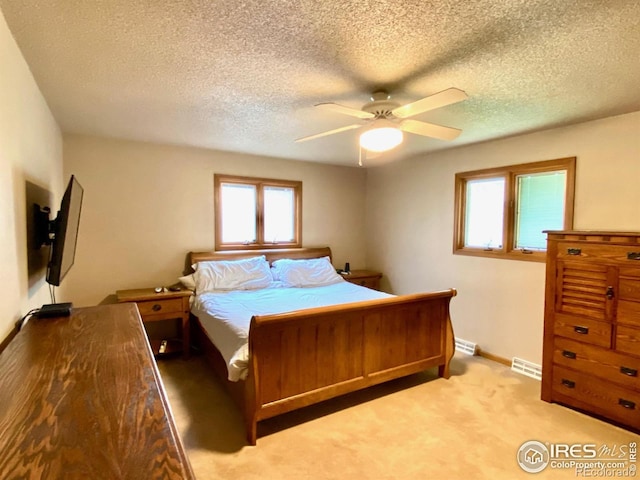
{"x":384,"y":120}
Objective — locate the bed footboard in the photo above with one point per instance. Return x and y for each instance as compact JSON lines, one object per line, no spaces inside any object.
{"x":304,"y":357}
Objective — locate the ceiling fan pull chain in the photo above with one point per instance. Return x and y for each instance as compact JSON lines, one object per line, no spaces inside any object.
{"x":359,"y":155}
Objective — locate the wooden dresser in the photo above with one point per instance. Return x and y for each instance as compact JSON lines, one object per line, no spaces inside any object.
{"x":81,"y":397}
{"x":591,"y":357}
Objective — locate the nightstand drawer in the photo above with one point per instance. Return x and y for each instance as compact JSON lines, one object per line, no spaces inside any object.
{"x":157,"y":307}
{"x":364,"y":278}
{"x":373,"y":283}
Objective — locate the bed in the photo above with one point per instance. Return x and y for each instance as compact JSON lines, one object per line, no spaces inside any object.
{"x":301,"y":357}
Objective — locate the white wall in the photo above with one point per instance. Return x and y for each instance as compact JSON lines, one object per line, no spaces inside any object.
{"x":500,"y":302}
{"x":30,"y":150}
{"x":147,"y":205}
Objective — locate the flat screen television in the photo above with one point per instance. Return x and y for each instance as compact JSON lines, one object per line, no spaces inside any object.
{"x":65,"y":233}
{"x":61,"y":233}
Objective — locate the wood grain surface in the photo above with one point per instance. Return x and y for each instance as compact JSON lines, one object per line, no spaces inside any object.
{"x":81,"y":397}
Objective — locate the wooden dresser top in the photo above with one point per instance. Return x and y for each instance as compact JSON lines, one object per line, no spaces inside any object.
{"x":81,"y":397}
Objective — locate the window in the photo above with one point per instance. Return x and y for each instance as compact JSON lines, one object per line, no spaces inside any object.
{"x":502,"y":212}
{"x":257,"y":213}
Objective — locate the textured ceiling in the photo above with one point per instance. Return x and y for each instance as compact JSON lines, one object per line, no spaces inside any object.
{"x":243,"y":75}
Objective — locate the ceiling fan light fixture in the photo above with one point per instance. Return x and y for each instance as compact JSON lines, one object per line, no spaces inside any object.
{"x":381,"y":137}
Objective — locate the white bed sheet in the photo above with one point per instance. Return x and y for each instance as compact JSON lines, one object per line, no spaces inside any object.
{"x":226,"y":315}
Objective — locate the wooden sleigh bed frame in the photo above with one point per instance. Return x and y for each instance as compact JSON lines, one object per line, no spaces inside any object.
{"x":307,"y":356}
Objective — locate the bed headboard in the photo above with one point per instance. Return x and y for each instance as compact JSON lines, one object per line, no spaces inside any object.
{"x":271,"y":254}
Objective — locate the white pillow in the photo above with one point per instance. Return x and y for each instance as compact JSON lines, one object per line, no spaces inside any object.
{"x":313,"y":272}
{"x":246,"y":274}
{"x":188,"y":282}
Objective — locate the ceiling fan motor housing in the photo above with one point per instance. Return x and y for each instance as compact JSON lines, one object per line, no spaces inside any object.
{"x":381,"y":105}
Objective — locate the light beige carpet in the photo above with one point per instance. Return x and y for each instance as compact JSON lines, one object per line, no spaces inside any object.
{"x":420,"y":427}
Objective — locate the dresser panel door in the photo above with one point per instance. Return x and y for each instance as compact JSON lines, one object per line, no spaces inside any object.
{"x":585,"y":289}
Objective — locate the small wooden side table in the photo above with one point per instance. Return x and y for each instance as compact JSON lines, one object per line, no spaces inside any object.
{"x":364,"y":278}
{"x":166,"y":305}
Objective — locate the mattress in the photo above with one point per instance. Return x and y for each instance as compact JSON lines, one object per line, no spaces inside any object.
{"x":226,"y":316}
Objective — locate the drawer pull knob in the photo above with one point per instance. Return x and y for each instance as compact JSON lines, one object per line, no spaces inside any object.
{"x":581,"y":330}
{"x":627,"y":404}
{"x":568,"y":354}
{"x":633,"y":256}
{"x":574,"y":251}
{"x":631,"y":372}
{"x":156,"y":307}
{"x":568,"y":383}
{"x":609,"y":293}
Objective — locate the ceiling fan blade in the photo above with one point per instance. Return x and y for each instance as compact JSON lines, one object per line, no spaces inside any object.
{"x":352,"y":112}
{"x":437,"y":100}
{"x":329,"y":132}
{"x":429,"y":129}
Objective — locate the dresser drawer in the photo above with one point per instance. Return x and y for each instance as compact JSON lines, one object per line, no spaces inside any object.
{"x":629,"y":288}
{"x":577,"y":250}
{"x":629,"y":312}
{"x":598,"y":396}
{"x":160,"y":307}
{"x":611,"y":366}
{"x":629,"y":298}
{"x":628,"y":340}
{"x":631,"y":271}
{"x":583,"y":330}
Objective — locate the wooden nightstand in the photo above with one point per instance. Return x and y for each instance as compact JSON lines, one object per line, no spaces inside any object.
{"x":365,"y":278}
{"x":166,"y":305}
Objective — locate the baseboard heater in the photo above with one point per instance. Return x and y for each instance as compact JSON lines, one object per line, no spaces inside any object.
{"x":526,"y":368}
{"x":466,"y":347}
